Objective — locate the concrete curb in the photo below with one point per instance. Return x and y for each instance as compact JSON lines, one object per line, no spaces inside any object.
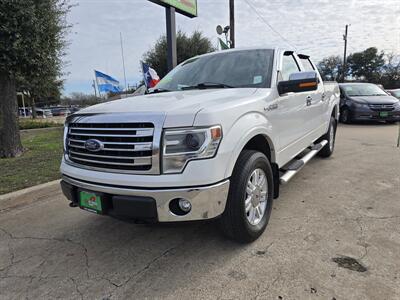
{"x":29,"y":195}
{"x":28,"y":190}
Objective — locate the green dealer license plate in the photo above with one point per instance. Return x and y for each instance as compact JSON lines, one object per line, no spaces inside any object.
{"x":383,"y":114}
{"x":90,"y":201}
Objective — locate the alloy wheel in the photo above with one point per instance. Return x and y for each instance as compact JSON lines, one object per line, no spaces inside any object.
{"x":256,"y":196}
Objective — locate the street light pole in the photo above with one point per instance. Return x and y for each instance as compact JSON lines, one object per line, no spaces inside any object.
{"x":345,"y":53}
{"x":232,"y":22}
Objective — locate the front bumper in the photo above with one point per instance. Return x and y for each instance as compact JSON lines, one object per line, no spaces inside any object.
{"x":366,"y":114}
{"x":207,"y":201}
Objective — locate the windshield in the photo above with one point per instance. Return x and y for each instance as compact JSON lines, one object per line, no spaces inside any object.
{"x":363,"y":90}
{"x":247,"y":68}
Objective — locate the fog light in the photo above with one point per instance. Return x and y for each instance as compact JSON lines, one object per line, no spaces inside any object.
{"x":180,"y":206}
{"x":184,"y":205}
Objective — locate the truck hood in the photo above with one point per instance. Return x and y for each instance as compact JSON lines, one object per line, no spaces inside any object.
{"x":375,"y":99}
{"x":179,"y":107}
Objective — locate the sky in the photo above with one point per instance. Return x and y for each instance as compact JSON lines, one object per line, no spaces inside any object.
{"x":313,"y":27}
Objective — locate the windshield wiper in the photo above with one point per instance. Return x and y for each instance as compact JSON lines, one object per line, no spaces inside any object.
{"x":207,"y":85}
{"x":159,"y":90}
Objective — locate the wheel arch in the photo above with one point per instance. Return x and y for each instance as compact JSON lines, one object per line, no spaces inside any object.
{"x":262,"y":142}
{"x":256,"y":140}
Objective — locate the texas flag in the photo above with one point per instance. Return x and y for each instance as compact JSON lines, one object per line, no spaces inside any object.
{"x":150,"y":76}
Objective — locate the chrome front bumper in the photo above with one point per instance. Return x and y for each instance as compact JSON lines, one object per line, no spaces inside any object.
{"x":207,"y":201}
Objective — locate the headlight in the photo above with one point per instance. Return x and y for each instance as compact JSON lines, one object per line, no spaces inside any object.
{"x":65,"y":142}
{"x":183,"y":145}
{"x":359,"y":104}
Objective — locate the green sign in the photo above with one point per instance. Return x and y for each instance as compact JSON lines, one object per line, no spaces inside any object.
{"x":185,"y":7}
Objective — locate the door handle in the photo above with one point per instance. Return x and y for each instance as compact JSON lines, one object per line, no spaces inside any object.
{"x":308,"y":100}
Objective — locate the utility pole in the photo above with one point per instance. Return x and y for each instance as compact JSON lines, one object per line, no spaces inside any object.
{"x":171,"y":37}
{"x":345,"y":54}
{"x":232,"y":22}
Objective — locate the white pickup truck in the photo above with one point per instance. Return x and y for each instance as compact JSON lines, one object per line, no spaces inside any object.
{"x":214,"y":139}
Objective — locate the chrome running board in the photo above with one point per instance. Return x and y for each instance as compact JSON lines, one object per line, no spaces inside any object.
{"x":298,"y":164}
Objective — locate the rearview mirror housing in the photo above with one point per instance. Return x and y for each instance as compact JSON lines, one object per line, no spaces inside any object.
{"x":299,"y":82}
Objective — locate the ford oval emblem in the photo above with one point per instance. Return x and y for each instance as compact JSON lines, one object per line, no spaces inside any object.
{"x":93,"y":145}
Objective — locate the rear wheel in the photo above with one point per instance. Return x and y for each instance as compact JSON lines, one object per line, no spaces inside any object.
{"x":330,"y":136}
{"x":250,"y":198}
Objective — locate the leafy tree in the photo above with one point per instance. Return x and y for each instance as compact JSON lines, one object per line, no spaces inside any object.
{"x":331,"y":68}
{"x":391,"y":72}
{"x":187,"y":47}
{"x":32,"y":41}
{"x":367,"y":65}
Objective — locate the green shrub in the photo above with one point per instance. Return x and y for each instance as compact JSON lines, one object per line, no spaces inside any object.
{"x":32,"y":124}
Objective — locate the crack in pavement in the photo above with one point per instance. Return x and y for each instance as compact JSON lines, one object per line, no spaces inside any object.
{"x":148,"y":265}
{"x":263,"y":291}
{"x":380,"y":217}
{"x":361,"y":238}
{"x":76,"y":287}
{"x":87,"y":265}
{"x":66,"y":240}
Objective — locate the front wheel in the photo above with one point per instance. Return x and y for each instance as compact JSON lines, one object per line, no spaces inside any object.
{"x":249,"y":203}
{"x":345,"y":116}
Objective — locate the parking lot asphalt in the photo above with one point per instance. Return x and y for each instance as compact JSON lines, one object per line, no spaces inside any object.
{"x":334,"y":234}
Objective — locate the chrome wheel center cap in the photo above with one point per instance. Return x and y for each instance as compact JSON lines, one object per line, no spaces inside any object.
{"x":255,"y":201}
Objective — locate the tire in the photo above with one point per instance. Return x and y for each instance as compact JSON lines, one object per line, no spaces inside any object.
{"x":345,"y":116}
{"x":237,"y":221}
{"x":330,"y":136}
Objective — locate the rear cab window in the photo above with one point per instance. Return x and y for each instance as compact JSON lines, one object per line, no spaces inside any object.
{"x":306,"y":63}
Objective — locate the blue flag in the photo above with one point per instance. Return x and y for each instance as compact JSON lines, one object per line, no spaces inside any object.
{"x":106,"y":83}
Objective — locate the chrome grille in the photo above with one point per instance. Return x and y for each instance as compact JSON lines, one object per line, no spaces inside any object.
{"x":124,"y":146}
{"x":382,"y":107}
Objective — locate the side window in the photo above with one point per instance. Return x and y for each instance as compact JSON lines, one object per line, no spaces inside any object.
{"x":289,"y":66}
{"x":307,"y":64}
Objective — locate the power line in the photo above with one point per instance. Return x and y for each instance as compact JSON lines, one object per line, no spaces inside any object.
{"x":269,"y":25}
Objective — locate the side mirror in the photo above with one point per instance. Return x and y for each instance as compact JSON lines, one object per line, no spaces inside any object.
{"x":299,"y":82}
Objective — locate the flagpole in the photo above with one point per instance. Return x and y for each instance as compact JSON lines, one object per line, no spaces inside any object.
{"x":97,"y":83}
{"x":94,"y":87}
{"x":144,"y":78}
{"x":123,"y":59}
